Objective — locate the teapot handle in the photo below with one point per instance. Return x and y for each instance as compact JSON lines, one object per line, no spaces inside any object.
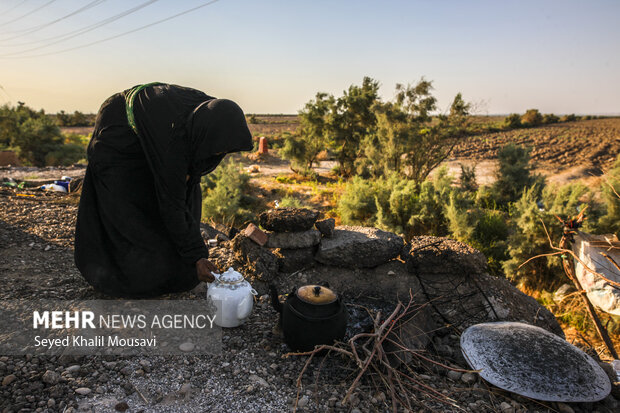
{"x":217,"y":277}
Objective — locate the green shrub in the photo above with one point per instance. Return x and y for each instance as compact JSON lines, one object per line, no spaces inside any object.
{"x":397,"y":204}
{"x":357,"y":205}
{"x":468,"y":178}
{"x":609,"y":222}
{"x":549,"y":118}
{"x":528,"y":237}
{"x":483,"y":229}
{"x":290,"y":202}
{"x":283,"y":179}
{"x":223,"y":195}
{"x":514,"y":175}
{"x":527,"y":240}
{"x":531,"y":117}
{"x":37,"y":138}
{"x":512,"y":121}
{"x":568,"y":118}
{"x":65,"y":155}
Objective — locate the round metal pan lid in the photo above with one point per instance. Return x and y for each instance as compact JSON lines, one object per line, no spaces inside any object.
{"x":533,"y":362}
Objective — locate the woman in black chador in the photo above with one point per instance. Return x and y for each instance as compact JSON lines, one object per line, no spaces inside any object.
{"x":137,"y":231}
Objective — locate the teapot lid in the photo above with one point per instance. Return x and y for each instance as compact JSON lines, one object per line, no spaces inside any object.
{"x":230,"y":277}
{"x":316,"y":294}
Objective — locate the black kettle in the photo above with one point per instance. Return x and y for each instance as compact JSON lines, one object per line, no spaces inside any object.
{"x":311,"y":315}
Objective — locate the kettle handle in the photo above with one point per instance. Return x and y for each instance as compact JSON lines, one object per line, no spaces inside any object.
{"x":275,"y":301}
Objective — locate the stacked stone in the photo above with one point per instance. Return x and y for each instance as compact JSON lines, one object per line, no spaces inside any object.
{"x":290,"y":232}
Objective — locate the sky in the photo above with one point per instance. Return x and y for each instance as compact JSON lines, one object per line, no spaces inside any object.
{"x":273,"y":56}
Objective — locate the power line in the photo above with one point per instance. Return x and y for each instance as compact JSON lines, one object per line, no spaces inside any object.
{"x":30,"y":12}
{"x":42,"y":26}
{"x":14,"y":7}
{"x":122,"y":34}
{"x":66,"y":36}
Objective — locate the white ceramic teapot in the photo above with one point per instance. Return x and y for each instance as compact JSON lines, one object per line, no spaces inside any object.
{"x":233,"y":296}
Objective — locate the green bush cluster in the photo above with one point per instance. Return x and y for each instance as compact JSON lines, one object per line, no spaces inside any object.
{"x":504,"y":220}
{"x":225,"y":198}
{"x":533,"y":117}
{"x":76,"y":118}
{"x":36,"y":137}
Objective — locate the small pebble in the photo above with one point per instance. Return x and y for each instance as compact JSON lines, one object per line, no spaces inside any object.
{"x":454,"y":375}
{"x":121,"y":407}
{"x":303,"y":402}
{"x":83,"y":391}
{"x":9,"y":379}
{"x":73,"y":369}
{"x":468,"y":378}
{"x":187,"y":346}
{"x":50,"y":377}
{"x":565,"y":408}
{"x":505,"y":407}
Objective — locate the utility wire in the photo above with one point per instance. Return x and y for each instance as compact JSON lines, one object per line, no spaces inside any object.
{"x":30,"y":12}
{"x":42,"y":26}
{"x":14,"y":7}
{"x":121,"y":34}
{"x":63,"y":37}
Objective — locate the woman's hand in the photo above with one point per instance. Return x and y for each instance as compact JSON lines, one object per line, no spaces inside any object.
{"x":204,"y":270}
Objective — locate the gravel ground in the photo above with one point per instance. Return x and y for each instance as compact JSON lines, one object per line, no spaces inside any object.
{"x":36,"y":260}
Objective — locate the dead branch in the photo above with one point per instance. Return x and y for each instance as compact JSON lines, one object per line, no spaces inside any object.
{"x":560,"y":251}
{"x":366,"y":351}
{"x":569,"y":270}
{"x":611,"y":260}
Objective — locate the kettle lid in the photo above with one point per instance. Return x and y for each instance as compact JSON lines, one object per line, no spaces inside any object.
{"x":316,"y":294}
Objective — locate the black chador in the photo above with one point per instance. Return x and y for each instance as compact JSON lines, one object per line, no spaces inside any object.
{"x":137,"y":231}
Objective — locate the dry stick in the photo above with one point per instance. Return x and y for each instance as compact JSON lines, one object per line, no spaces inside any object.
{"x":417,"y":354}
{"x":392,"y":380}
{"x":569,"y":269}
{"x":611,"y":260}
{"x":369,"y":359}
{"x":560,"y":251}
{"x":140,"y":394}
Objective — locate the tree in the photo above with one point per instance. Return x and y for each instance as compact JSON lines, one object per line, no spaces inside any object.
{"x":37,"y":138}
{"x":549,"y":118}
{"x":64,"y":119}
{"x":512,"y":121}
{"x":408,"y":140}
{"x":514,"y":175}
{"x":351,"y":120}
{"x":302,"y":150}
{"x":223,"y":193}
{"x":531,"y":117}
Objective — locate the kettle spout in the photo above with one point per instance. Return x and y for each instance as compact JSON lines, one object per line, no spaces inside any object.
{"x":275,"y":301}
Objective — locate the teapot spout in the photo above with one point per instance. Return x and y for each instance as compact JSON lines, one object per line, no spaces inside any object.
{"x":275,"y":301}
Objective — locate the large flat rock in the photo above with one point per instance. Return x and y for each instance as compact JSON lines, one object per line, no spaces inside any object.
{"x":293,"y":260}
{"x":288,"y":219}
{"x":293,"y":240}
{"x":453,"y":277}
{"x":359,"y":247}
